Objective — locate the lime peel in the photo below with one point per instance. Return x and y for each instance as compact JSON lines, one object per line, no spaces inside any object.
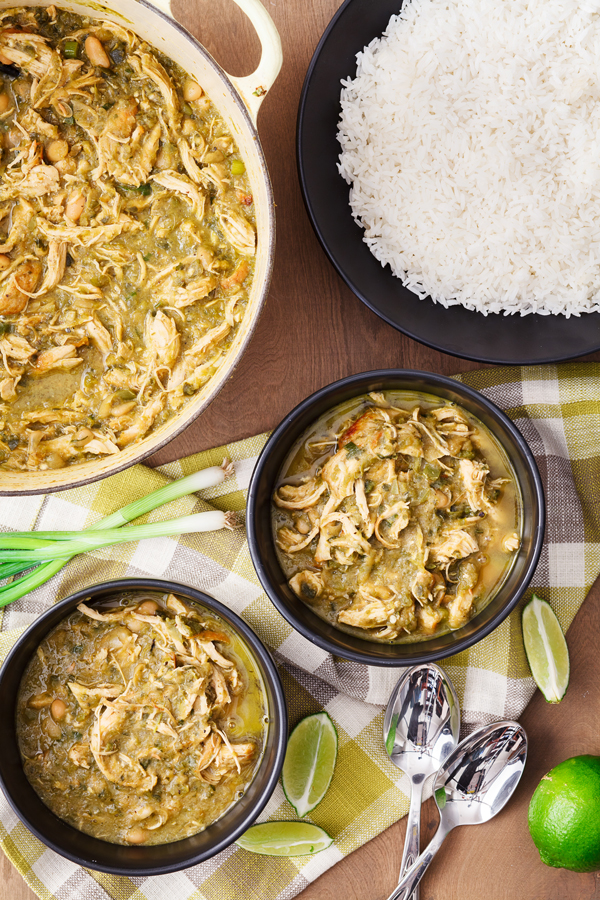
{"x":391,"y":735}
{"x":285,"y":839}
{"x":564,"y":815}
{"x":546,"y":649}
{"x":309,"y":762}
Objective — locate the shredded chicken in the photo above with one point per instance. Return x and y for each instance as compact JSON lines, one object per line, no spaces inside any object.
{"x":152,"y":730}
{"x":387,"y":525}
{"x":238,"y":231}
{"x":55,"y":266}
{"x":162,"y":340}
{"x":181,"y":185}
{"x":14,"y":294}
{"x":61,"y":357}
{"x":142,"y":422}
{"x":99,"y":336}
{"x":290,"y":496}
{"x":127,"y":233}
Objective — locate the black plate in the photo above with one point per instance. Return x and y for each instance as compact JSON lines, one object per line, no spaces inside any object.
{"x":493,"y":338}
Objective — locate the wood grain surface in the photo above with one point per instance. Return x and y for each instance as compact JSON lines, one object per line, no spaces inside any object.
{"x":312,"y":331}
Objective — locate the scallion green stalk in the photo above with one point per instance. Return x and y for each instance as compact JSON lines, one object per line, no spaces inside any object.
{"x":189,"y":484}
{"x":180,"y":488}
{"x":8,"y":569}
{"x":28,"y":583}
{"x":197,"y":481}
{"x":65,"y":544}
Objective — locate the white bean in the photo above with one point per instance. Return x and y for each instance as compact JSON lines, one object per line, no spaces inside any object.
{"x":58,"y":709}
{"x":188,"y":127}
{"x":96,"y":52}
{"x":51,"y":728}
{"x":147,"y":608}
{"x":56,"y":150}
{"x":66,"y":166}
{"x":441,"y":500}
{"x":13,"y":138}
{"x":192,"y":90}
{"x":75,"y":206}
{"x":136,"y":835}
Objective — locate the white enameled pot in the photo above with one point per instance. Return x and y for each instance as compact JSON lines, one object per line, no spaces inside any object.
{"x":238,"y":101}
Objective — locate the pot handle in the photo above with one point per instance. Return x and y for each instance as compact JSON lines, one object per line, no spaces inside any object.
{"x":252,"y":88}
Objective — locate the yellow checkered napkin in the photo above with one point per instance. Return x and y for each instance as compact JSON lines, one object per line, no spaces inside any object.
{"x":556,"y":408}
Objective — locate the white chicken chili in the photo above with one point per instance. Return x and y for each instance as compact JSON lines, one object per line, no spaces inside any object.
{"x":141,"y":723}
{"x":127,"y":238}
{"x":397,"y":516}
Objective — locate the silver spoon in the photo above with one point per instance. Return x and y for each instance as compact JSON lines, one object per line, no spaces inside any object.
{"x":473,"y":785}
{"x":420,"y":729}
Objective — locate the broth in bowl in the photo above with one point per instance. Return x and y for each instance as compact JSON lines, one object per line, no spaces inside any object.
{"x":397,"y":516}
{"x":142,"y":722}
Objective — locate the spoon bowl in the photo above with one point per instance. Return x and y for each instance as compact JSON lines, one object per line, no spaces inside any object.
{"x":422,"y":720}
{"x":420,"y":728}
{"x":479,"y":778}
{"x":473,"y":785}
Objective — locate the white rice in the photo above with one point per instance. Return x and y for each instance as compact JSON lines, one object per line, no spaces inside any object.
{"x":471,"y":139}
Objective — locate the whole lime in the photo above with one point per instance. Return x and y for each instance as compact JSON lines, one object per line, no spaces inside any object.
{"x":564,"y":815}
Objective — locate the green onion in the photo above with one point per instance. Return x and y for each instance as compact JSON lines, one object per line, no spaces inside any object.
{"x":71,"y":50}
{"x":351,"y":449}
{"x":144,"y":189}
{"x":8,"y":569}
{"x":65,"y":544}
{"x":180,"y":488}
{"x":189,"y":484}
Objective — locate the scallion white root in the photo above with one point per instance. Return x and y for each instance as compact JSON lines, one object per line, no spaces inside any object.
{"x":197,"y":481}
{"x":23,"y":550}
{"x":64,"y":544}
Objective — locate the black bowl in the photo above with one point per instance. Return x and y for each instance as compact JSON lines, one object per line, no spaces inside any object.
{"x":494,"y":338}
{"x":114,"y":858}
{"x":262,"y":548}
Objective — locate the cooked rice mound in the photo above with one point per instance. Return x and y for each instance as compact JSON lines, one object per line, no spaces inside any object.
{"x":471,"y":139}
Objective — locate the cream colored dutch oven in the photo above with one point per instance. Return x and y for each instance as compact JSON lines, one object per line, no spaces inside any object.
{"x":238,"y":101}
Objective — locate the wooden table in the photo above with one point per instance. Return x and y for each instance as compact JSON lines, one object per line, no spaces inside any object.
{"x":312,"y":331}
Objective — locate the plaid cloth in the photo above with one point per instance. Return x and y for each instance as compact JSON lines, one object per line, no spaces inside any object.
{"x":556,"y":409}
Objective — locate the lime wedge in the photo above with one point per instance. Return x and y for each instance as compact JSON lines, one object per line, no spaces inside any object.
{"x":546,"y":649}
{"x":309,"y":762}
{"x":285,"y":839}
